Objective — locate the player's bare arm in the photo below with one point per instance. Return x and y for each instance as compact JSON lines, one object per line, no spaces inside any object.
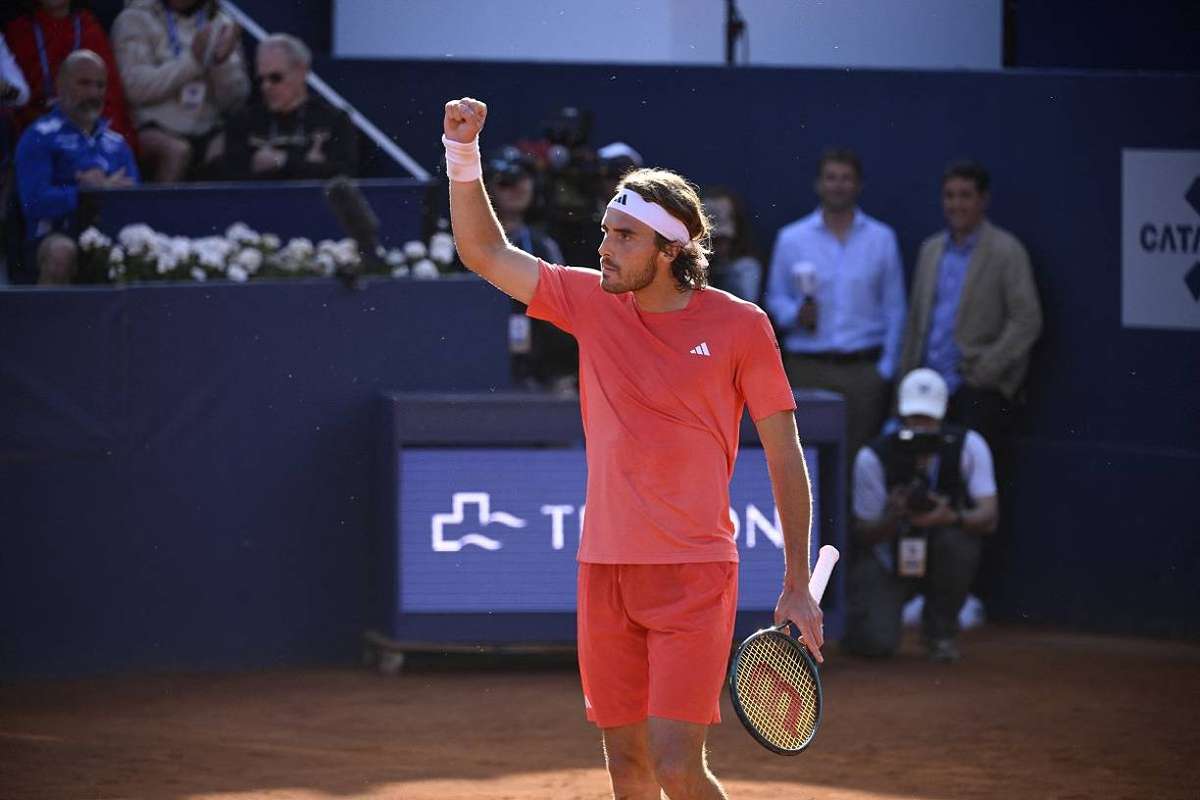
{"x":478,"y":236}
{"x":793,"y":498}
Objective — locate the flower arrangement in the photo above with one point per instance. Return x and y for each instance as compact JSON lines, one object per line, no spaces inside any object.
{"x":142,"y":254}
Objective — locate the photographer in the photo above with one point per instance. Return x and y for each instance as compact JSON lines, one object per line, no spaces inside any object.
{"x":543,"y":357}
{"x":923,"y":497}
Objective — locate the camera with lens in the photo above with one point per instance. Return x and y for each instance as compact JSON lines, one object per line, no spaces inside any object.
{"x":908,"y":473}
{"x":508,"y":165}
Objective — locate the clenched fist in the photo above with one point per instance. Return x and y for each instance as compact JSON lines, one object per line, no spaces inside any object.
{"x":464,"y":119}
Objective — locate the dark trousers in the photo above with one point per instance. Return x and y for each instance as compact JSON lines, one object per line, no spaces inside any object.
{"x":876,"y":595}
{"x":859,"y":382}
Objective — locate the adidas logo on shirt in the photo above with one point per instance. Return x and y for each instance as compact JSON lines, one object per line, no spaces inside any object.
{"x":700,"y":349}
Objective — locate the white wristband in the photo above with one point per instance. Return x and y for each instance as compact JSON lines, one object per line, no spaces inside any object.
{"x":462,"y":160}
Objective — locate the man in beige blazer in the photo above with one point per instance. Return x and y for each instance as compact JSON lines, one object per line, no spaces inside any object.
{"x":973,"y":313}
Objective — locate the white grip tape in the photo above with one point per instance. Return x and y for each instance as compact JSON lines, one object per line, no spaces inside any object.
{"x":826,"y":558}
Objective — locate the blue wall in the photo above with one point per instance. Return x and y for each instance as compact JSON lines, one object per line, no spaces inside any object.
{"x":182,"y":469}
{"x":186,"y":471}
{"x":1106,"y":34}
{"x":1110,"y":452}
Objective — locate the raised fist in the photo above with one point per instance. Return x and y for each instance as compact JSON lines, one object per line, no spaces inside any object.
{"x":464,"y":119}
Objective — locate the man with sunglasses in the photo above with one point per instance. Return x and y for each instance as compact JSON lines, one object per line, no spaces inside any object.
{"x":288,"y":134}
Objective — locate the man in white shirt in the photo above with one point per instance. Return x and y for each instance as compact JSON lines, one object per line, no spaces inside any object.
{"x":835,"y":291}
{"x":924,"y":497}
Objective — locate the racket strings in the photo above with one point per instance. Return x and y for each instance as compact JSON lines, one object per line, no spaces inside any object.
{"x":778,"y":692}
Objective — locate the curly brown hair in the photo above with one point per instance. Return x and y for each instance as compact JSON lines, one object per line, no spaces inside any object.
{"x":681,"y":199}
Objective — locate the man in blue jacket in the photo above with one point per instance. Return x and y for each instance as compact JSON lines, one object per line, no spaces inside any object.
{"x":68,"y":150}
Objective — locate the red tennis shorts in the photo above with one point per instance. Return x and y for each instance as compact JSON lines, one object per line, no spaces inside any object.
{"x":654,"y":640}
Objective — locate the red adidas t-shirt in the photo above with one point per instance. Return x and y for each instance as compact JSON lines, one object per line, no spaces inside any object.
{"x":662,"y":396}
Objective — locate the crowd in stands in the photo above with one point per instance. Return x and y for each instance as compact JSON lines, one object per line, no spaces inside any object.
{"x":166,"y":95}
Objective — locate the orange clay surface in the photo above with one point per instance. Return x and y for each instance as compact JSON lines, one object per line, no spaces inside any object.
{"x":1026,"y":714}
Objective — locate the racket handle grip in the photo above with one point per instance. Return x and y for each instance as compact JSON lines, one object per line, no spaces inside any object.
{"x":826,"y":558}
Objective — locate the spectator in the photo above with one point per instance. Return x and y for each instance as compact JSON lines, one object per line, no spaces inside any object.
{"x":543,"y":356}
{"x":69,"y":149}
{"x":733,"y":266}
{"x":289,"y":134}
{"x":14,"y":90}
{"x":974,"y":315}
{"x":182,"y":68}
{"x":613,"y":161}
{"x":923,"y":496}
{"x":836,"y":292}
{"x":42,"y":39}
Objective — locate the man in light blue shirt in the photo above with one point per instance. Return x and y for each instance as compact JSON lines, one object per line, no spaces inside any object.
{"x":942,"y":353}
{"x":836,"y":292}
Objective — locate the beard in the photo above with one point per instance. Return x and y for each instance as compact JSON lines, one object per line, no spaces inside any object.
{"x":626,"y":279}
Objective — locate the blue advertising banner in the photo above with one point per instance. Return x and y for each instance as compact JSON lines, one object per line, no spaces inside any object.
{"x":496,"y":530}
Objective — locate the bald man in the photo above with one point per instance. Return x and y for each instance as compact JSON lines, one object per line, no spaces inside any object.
{"x":67,"y":150}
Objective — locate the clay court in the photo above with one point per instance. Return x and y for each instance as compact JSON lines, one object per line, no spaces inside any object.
{"x":1026,"y":714}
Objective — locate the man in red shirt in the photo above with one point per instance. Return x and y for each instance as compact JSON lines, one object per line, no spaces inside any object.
{"x":666,"y":368}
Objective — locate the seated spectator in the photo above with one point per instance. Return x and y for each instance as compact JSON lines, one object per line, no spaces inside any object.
{"x":42,"y":39}
{"x":14,"y":90}
{"x":733,"y":265}
{"x":543,"y":356}
{"x":924,"y":497}
{"x":181,"y":65}
{"x":289,"y":134}
{"x":69,"y":149}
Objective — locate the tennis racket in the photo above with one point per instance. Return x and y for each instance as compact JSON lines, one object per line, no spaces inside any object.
{"x":773,"y":682}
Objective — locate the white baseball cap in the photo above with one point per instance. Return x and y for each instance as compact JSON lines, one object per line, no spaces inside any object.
{"x":923,"y":392}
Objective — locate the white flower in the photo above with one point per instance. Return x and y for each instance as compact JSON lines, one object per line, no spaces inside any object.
{"x":181,"y":247}
{"x":394,"y":258}
{"x":346,"y":252}
{"x":425,"y":269}
{"x":270,"y":241}
{"x":116,"y":272}
{"x":166,"y":261}
{"x":199,"y":274}
{"x":326,"y":264}
{"x":441,"y":248}
{"x":211,"y":258}
{"x":414,"y":250}
{"x":400,"y":271}
{"x":300,"y":247}
{"x":217,"y":244}
{"x":250,"y":260}
{"x":135,"y":238}
{"x":160,"y":244}
{"x":237,"y":274}
{"x":116,"y":255}
{"x":242,"y":233}
{"x":92,"y":239}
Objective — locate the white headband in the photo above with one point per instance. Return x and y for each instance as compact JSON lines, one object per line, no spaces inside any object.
{"x":652,"y":214}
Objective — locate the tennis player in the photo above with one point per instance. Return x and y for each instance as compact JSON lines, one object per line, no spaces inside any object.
{"x":666,"y":368}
